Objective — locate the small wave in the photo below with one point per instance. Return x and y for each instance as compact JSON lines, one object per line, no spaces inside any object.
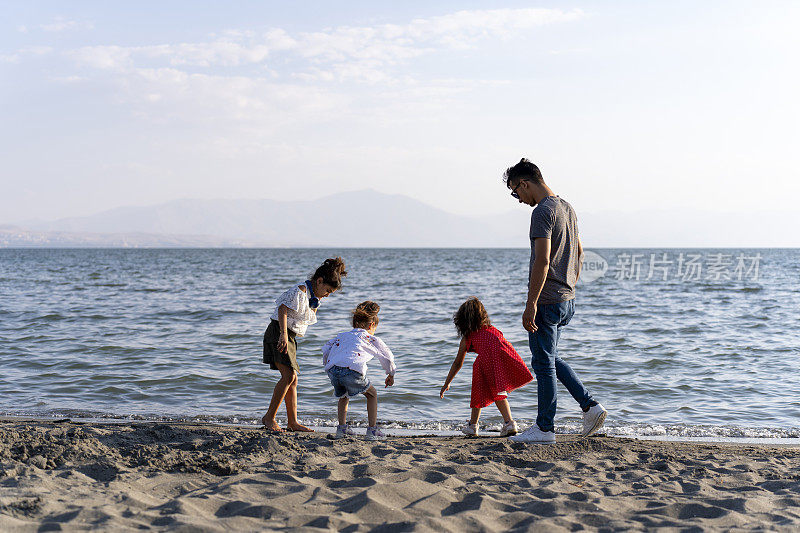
{"x":657,"y":363}
{"x":671,"y":431}
{"x":700,"y":431}
{"x":157,"y":289}
{"x":32,"y":338}
{"x":186,"y":316}
{"x":230,"y":336}
{"x":52,"y":316}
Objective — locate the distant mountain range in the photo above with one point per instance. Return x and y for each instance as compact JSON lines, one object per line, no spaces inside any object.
{"x":372,"y":219}
{"x":16,"y":237}
{"x":362,"y":218}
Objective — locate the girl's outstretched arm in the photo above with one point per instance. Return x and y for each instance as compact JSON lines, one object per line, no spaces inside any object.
{"x":456,"y":366}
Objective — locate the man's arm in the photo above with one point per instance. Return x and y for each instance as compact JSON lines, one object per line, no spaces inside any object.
{"x":580,"y":259}
{"x":541,"y":264}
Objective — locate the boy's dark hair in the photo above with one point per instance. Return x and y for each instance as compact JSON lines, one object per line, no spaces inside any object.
{"x":471,"y":317}
{"x":330,"y":272}
{"x":524,"y":170}
{"x":366,"y":313}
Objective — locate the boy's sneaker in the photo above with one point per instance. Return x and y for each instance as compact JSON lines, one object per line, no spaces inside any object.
{"x":343,"y":431}
{"x":534,"y":435}
{"x":509,"y":428}
{"x":375,"y":434}
{"x":593,"y":419}
{"x":470,"y":430}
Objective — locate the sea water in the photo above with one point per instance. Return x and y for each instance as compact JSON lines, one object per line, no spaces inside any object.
{"x":674,"y":342}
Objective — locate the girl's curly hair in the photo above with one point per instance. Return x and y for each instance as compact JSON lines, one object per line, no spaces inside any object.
{"x":471,"y":317}
{"x":366,"y":313}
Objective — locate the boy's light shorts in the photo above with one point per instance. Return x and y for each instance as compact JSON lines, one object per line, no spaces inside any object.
{"x":347,"y":382}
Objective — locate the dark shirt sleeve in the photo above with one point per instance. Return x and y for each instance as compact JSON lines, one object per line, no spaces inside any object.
{"x":542,"y":223}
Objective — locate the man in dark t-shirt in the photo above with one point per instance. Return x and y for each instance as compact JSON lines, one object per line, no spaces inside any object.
{"x":554,"y":269}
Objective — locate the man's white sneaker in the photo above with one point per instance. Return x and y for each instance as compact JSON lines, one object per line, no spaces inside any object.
{"x":593,"y":419}
{"x":509,"y":428}
{"x":534,"y":435}
{"x":470,"y":430}
{"x":343,"y":431}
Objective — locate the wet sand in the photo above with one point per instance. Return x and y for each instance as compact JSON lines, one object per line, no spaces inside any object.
{"x":73,"y":476}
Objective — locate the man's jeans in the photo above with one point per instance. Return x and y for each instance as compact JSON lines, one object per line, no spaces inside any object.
{"x":548,"y":366}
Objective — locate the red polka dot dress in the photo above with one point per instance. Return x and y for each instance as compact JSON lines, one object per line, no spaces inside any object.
{"x":498,"y":368}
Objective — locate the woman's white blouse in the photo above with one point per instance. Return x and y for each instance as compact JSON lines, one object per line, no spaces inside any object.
{"x":299,"y":315}
{"x":354,"y":348}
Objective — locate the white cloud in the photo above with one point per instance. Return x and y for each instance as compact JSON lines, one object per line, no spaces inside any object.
{"x":236,"y":100}
{"x":61,"y":24}
{"x":255,"y":85}
{"x":278,"y":73}
{"x":37,"y":50}
{"x":103,"y":57}
{"x":345,"y":53}
{"x":68,"y":79}
{"x":25,"y":52}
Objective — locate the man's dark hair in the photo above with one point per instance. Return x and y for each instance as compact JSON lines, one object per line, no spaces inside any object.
{"x":524,"y":170}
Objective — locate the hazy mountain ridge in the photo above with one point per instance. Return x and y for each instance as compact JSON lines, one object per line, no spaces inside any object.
{"x":371,"y":219}
{"x":361,"y":218}
{"x":15,"y":237}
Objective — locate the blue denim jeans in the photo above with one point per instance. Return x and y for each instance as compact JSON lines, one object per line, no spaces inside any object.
{"x":548,"y":366}
{"x":347,"y":382}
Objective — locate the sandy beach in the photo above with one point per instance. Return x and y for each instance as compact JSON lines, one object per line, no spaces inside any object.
{"x":72,"y":476}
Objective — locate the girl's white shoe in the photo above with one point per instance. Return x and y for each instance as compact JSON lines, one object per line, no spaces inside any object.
{"x":509,"y":428}
{"x":470,"y":430}
{"x":343,"y":431}
{"x":374,"y":434}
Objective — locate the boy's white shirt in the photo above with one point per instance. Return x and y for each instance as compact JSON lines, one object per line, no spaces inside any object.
{"x":353,"y":349}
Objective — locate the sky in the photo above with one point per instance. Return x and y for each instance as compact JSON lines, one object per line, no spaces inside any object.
{"x":625,"y":106}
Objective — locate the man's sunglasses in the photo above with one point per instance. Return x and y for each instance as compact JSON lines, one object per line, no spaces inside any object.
{"x":514,"y":193}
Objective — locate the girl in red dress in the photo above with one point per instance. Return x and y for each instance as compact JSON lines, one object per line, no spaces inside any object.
{"x":498,"y":369}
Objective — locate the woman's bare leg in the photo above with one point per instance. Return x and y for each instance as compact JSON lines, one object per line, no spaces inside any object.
{"x":505,"y":409}
{"x":281,"y":387}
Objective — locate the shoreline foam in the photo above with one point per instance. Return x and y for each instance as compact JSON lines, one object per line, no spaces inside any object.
{"x":697,"y":434}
